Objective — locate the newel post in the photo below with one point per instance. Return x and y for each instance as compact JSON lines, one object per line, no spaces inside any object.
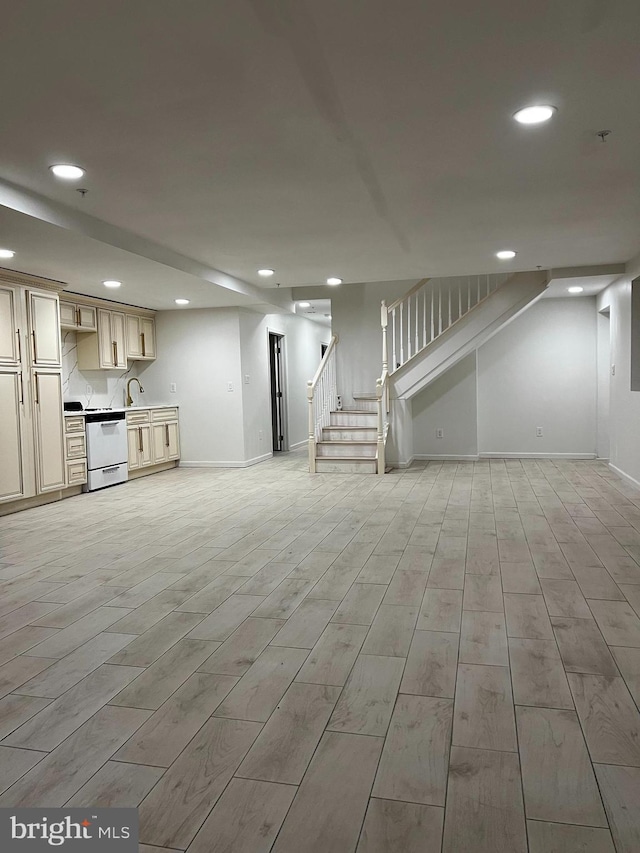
{"x":312,"y":430}
{"x":384,"y":319}
{"x":379,"y":396}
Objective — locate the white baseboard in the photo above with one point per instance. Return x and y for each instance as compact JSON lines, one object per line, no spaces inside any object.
{"x":298,"y":444}
{"x":207,"y":464}
{"x":626,"y":477}
{"x":491,"y":455}
{"x":446,"y":457}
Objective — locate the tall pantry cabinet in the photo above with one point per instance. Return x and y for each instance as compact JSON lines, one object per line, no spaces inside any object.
{"x":32,"y":458}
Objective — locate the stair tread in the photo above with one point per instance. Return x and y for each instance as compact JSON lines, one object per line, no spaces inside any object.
{"x":346,"y":459}
{"x":351,"y":426}
{"x":347,"y":441}
{"x":353,"y":412}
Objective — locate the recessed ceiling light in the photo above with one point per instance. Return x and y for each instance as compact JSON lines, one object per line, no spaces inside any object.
{"x":181,"y":301}
{"x":6,"y":253}
{"x":334,"y":280}
{"x":265,"y":273}
{"x":304,"y":304}
{"x":575,"y":289}
{"x":505,"y":254}
{"x":67,"y":171}
{"x":328,"y":316}
{"x":112,"y":283}
{"x":534,"y":115}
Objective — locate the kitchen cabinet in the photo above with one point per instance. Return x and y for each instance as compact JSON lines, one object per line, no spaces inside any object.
{"x":141,"y":337}
{"x":44,"y":329}
{"x":140,"y":451}
{"x":153,"y":436}
{"x":82,"y":318}
{"x":75,"y":450}
{"x":105,"y":350}
{"x":49,"y":431}
{"x":32,"y":453}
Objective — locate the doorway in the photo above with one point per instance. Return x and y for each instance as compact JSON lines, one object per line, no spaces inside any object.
{"x":276,"y":378}
{"x":604,"y":383}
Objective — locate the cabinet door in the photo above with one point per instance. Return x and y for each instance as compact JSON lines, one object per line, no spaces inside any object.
{"x":11,"y":462}
{"x":173,"y":434}
{"x":9,"y":326}
{"x":44,"y":320}
{"x":119,"y":339}
{"x":146,"y":448}
{"x":105,"y":339}
{"x":160,"y":446}
{"x":49,"y":431}
{"x":86,"y":318}
{"x":133,"y":447}
{"x":134,"y":338}
{"x":68,"y":315}
{"x":148,"y":337}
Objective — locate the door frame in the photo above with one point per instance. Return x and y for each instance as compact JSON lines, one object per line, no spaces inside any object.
{"x":285,"y":387}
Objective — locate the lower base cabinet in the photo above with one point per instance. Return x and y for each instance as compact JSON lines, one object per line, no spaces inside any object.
{"x":153,"y":437}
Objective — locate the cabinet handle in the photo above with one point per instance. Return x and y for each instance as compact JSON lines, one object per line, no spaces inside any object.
{"x":33,"y":339}
{"x":19,"y":346}
{"x":140,"y":447}
{"x":166,"y":434}
{"x":77,"y":316}
{"x":115,"y":353}
{"x":144,"y":352}
{"x":37,"y":390}
{"x":21,"y":390}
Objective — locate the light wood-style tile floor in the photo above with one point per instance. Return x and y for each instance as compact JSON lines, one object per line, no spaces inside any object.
{"x":446,"y":658}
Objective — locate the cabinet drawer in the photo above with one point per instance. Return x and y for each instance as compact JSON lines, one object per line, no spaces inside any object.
{"x":162,"y":415}
{"x":138,"y":417}
{"x":76,"y":446}
{"x":76,"y":472}
{"x":74,"y":424}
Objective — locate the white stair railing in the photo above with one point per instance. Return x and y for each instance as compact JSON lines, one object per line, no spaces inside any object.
{"x":430,"y":308}
{"x":322,"y":395}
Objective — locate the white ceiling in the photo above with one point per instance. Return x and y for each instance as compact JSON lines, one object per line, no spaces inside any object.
{"x":373,"y":141}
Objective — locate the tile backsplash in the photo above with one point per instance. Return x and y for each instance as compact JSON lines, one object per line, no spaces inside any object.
{"x":108,"y":387}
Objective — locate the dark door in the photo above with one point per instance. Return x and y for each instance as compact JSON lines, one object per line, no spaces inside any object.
{"x":277,"y":391}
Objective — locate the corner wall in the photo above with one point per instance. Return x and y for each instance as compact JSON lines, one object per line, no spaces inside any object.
{"x":624,"y":412}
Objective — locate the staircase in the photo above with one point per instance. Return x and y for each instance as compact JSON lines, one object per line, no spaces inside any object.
{"x":349,"y":445}
{"x":432,"y":327}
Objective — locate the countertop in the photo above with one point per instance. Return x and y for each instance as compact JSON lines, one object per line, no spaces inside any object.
{"x":125,"y":409}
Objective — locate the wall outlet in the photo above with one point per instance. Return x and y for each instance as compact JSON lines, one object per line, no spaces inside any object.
{"x":613,"y":370}
{"x":539,"y":432}
{"x":247,"y":379}
{"x":89,"y":390}
{"x":259,"y":435}
{"x":172,"y":388}
{"x":229,"y":386}
{"x":439,"y":433}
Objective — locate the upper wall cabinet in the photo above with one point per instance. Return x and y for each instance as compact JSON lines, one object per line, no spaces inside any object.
{"x":105,"y":350}
{"x":141,"y":338}
{"x":82,"y":318}
{"x":44,"y":329}
{"x":9,"y":326}
{"x":110,"y":336}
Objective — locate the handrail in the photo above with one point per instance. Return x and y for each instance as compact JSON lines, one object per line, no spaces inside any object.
{"x":409,"y":293}
{"x":322,"y":396}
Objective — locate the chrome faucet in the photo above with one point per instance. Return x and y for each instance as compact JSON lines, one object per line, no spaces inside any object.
{"x":129,"y":397}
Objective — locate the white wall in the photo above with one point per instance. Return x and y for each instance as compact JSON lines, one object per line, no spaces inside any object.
{"x":302,"y":353}
{"x":448,"y":403}
{"x":199,"y":350}
{"x":355,"y":311}
{"x":604,"y":383}
{"x":624,"y":416}
{"x":540,"y":370}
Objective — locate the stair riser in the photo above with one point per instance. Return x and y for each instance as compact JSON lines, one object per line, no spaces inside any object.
{"x":366,"y":466}
{"x":367,"y":451}
{"x":337,"y":434}
{"x":367,"y":419}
